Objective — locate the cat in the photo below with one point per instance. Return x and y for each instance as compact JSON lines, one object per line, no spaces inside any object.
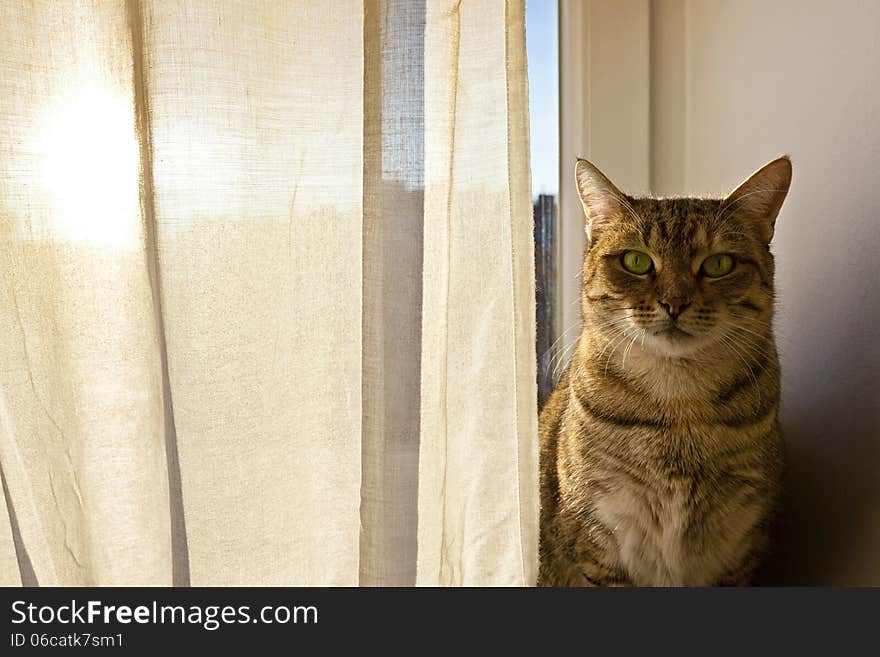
{"x":661,"y":452}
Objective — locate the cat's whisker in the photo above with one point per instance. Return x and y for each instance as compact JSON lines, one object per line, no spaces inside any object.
{"x":612,"y":334}
{"x":564,"y":359}
{"x":630,"y":346}
{"x":611,"y":337}
{"x":613,"y":322}
{"x":750,"y":343}
{"x":614,"y":349}
{"x":557,"y":357}
{"x":552,"y":347}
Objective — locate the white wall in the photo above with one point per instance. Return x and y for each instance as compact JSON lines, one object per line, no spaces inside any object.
{"x":733,"y":84}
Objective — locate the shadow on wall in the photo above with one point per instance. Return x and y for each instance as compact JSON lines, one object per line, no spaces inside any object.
{"x":831,"y":516}
{"x":827,"y":506}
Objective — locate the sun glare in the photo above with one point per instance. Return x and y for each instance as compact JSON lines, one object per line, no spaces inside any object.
{"x":89,"y":156}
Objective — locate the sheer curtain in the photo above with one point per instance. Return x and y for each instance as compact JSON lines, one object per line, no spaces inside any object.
{"x":266,"y":304}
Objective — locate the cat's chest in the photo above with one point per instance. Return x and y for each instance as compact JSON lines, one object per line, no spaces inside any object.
{"x":664,"y":534}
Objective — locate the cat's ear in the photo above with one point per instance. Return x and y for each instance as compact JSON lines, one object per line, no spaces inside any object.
{"x":602,"y":201}
{"x":760,"y":197}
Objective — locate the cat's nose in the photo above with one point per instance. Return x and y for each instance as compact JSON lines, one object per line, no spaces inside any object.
{"x":675,"y":306}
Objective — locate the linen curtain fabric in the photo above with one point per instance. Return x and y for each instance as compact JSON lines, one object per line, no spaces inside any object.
{"x":266,"y":303}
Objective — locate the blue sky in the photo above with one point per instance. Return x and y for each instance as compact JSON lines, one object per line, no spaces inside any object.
{"x":542,"y":50}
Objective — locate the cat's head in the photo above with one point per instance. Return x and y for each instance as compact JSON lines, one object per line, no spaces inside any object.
{"x":680,"y":275}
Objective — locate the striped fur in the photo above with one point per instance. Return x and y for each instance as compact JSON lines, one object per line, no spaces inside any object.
{"x":661,"y":452}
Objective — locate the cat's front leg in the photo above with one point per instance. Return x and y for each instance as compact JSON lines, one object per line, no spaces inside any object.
{"x":596,"y":574}
{"x":744,"y":573}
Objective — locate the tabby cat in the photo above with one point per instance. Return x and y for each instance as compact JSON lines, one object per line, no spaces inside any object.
{"x":661,"y":451}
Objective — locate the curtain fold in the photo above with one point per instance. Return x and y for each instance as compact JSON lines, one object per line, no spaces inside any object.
{"x":478,"y":465}
{"x":266,"y":294}
{"x":394,"y":145}
{"x":10,"y":575}
{"x":81,"y":433}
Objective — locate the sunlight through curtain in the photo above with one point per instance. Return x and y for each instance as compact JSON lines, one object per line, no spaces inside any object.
{"x":266,"y":304}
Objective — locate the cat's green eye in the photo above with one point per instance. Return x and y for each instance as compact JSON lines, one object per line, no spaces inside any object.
{"x":637,"y":262}
{"x":717,"y":265}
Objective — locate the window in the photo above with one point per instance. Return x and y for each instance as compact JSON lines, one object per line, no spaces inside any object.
{"x":542,"y":36}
